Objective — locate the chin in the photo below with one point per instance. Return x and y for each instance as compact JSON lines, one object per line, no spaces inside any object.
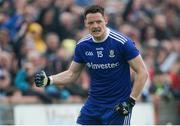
{"x":97,"y":35}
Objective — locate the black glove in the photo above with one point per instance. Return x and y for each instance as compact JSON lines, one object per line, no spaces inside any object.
{"x":41,"y":79}
{"x":125,"y":107}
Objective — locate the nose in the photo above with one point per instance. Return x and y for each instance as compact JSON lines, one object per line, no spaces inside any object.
{"x":95,"y":24}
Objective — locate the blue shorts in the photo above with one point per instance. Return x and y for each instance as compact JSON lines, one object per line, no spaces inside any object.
{"x":102,"y":116}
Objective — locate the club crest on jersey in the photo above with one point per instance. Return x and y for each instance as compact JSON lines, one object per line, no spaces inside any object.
{"x":111,"y":53}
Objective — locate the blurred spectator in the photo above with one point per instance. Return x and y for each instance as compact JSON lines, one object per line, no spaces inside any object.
{"x":161,"y":91}
{"x":11,"y":95}
{"x":24,"y":82}
{"x":5,"y":86}
{"x":57,"y":92}
{"x":24,"y":78}
{"x":5,"y":40}
{"x":48,"y":18}
{"x":37,"y":59}
{"x":5,"y":60}
{"x":161,"y":29}
{"x":34,"y":35}
{"x":84,"y":2}
{"x":175,"y":77}
{"x":66,"y":24}
{"x":69,"y":46}
{"x":53,"y":43}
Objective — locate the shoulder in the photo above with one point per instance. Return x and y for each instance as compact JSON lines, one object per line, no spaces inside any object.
{"x":119,"y":37}
{"x":84,"y":39}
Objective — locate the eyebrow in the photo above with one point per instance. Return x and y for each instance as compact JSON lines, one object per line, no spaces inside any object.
{"x":99,"y":20}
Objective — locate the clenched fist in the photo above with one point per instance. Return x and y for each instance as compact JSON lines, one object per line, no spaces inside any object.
{"x":41,"y":79}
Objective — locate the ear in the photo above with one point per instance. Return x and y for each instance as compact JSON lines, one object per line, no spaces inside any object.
{"x":85,"y":22}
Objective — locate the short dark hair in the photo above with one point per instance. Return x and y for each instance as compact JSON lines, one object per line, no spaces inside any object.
{"x":94,"y":9}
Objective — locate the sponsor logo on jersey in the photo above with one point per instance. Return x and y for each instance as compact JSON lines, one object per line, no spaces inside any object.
{"x":102,"y":66}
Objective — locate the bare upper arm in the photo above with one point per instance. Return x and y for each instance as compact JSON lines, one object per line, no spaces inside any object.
{"x":137,"y":64}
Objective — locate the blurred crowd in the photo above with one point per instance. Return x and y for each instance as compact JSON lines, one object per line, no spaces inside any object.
{"x":41,"y":35}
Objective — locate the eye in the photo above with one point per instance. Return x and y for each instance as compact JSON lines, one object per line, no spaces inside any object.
{"x":90,"y":23}
{"x":98,"y":22}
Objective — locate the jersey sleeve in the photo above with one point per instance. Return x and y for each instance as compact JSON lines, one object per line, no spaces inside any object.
{"x":130,"y":50}
{"x":78,"y":55}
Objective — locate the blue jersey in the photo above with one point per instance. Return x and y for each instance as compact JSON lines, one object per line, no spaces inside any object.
{"x":108,"y":67}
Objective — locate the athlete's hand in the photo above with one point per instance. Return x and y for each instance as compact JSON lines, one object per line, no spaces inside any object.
{"x":41,"y":79}
{"x":125,"y":107}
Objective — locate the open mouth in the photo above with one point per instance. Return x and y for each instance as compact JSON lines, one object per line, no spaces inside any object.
{"x":96,"y":30}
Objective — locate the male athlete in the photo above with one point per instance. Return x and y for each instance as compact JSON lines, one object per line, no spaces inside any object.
{"x":108,"y":55}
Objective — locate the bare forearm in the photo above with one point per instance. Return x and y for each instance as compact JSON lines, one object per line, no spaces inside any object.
{"x":64,"y":78}
{"x":139,"y":83}
{"x":141,"y":75}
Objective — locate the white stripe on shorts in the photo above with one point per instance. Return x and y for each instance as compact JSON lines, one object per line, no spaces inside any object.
{"x":127,"y":119}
